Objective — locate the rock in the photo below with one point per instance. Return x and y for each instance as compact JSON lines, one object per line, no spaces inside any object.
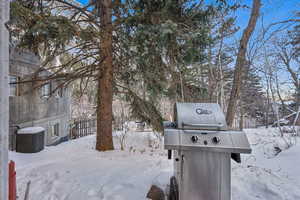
{"x":155,"y":193}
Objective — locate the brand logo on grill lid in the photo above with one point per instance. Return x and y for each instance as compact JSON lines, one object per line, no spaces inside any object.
{"x":201,"y":111}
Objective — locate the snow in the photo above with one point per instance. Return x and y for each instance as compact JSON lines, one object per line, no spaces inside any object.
{"x":30,"y":130}
{"x":264,"y":175}
{"x":75,"y":171}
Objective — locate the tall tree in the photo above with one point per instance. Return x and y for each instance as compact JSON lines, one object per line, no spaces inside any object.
{"x":240,"y":63}
{"x":56,"y":27}
{"x":167,"y":38}
{"x":120,"y":45}
{"x":287,"y":55}
{"x":296,"y":33}
{"x":105,"y":79}
{"x":170,"y":45}
{"x":253,"y":100}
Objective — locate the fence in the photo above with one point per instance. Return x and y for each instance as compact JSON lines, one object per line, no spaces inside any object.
{"x":82,"y":127}
{"x":248,"y":122}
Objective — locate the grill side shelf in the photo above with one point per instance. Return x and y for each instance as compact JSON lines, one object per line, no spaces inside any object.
{"x":207,"y":148}
{"x":240,"y":141}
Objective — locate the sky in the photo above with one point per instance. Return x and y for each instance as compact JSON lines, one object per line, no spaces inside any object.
{"x":83,"y":1}
{"x":272,"y":11}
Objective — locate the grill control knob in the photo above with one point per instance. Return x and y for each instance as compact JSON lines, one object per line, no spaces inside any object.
{"x":194,"y":139}
{"x":216,"y":140}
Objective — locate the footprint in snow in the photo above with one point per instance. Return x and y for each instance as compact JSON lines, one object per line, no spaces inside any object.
{"x":95,"y":195}
{"x":127,"y":185}
{"x":92,"y":192}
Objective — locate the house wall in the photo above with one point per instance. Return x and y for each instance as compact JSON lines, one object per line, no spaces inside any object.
{"x":30,"y":108}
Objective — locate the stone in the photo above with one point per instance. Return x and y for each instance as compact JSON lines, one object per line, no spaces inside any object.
{"x":156,"y":193}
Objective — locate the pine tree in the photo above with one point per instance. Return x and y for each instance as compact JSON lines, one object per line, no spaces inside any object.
{"x":253,"y":99}
{"x":122,"y":45}
{"x":169,"y":37}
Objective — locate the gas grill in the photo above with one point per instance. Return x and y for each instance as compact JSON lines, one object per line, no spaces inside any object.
{"x":202,"y":146}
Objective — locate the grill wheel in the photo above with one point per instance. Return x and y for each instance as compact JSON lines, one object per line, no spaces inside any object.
{"x":173,"y":195}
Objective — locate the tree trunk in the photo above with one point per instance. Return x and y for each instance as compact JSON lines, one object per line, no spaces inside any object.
{"x":268,"y":103}
{"x":105,"y":80}
{"x":298,"y":95}
{"x":241,"y":125}
{"x":276,"y":107}
{"x":181,"y":87}
{"x":240,"y":61}
{"x":211,"y":87}
{"x":221,"y":94}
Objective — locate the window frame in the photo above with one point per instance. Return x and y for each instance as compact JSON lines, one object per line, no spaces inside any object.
{"x":17,"y":88}
{"x":55,"y":130}
{"x":42,"y":90}
{"x":59,"y":92}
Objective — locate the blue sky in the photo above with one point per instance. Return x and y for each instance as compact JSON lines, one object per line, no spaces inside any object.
{"x":83,"y":1}
{"x":272,"y":11}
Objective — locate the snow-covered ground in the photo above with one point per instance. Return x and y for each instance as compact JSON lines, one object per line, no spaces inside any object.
{"x":262,"y":175}
{"x":75,"y":171}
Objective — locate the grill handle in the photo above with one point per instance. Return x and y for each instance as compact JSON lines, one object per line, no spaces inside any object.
{"x":169,"y":154}
{"x":203,"y":125}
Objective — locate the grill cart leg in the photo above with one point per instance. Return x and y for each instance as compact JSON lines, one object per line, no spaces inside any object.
{"x":236,"y":157}
{"x":174,"y":194}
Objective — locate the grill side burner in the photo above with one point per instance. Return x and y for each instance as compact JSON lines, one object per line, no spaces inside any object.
{"x":202,"y":147}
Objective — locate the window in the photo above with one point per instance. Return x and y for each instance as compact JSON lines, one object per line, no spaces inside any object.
{"x":60,"y":92}
{"x":46,"y":90}
{"x":14,"y":89}
{"x":55,"y":130}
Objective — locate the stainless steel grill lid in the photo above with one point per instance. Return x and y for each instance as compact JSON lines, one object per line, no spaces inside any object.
{"x":199,"y":116}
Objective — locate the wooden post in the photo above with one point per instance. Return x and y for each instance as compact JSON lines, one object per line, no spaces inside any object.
{"x":4,"y":103}
{"x":12,"y":195}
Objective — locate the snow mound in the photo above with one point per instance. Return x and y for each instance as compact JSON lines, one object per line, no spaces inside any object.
{"x":30,"y":130}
